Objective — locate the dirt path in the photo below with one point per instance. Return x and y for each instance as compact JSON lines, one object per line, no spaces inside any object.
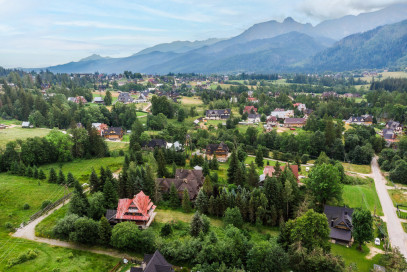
{"x":28,"y":232}
{"x":397,"y":236}
{"x":373,"y":252}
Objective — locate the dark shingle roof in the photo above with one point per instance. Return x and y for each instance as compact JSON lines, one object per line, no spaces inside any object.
{"x":338,"y":219}
{"x":192,"y":180}
{"x":113,"y":131}
{"x":110,"y":214}
{"x":157,"y":263}
{"x":211,"y":148}
{"x":155,"y":143}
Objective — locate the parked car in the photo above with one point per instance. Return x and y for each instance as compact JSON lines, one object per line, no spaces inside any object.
{"x":377,"y":241}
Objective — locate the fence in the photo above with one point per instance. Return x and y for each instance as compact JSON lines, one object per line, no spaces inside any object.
{"x":49,"y":207}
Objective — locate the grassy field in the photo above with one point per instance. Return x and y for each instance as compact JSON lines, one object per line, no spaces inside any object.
{"x":398,"y":197}
{"x":14,"y":193}
{"x":353,"y":255}
{"x":44,"y":228}
{"x":362,"y":196}
{"x":11,"y":134}
{"x":191,"y":101}
{"x":363,"y":169}
{"x":9,"y":122}
{"x":113,"y":146}
{"x":81,"y":169}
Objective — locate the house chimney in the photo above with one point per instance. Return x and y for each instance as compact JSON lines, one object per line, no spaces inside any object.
{"x":332,"y":223}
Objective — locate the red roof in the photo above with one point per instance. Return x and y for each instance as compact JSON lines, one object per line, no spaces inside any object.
{"x":248,"y":109}
{"x":252,"y":99}
{"x":269,"y":170}
{"x":140,"y":204}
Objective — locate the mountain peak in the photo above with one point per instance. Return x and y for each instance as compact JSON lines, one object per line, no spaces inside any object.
{"x":93,"y":57}
{"x":289,"y":20}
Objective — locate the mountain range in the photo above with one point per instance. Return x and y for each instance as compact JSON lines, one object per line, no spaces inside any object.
{"x":368,"y":40}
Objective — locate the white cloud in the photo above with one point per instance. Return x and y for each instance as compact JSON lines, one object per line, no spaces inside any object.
{"x":96,"y":24}
{"x":323,"y":9}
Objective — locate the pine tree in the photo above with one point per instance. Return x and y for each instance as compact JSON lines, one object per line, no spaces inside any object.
{"x":102,"y":178}
{"x":162,"y":170}
{"x":110,"y":194}
{"x":70,"y":180}
{"x":105,"y":231}
{"x":94,"y":182}
{"x":253,"y":177}
{"x":205,"y":168}
{"x":277,"y":170}
{"x":201,"y":202}
{"x":35,"y":172}
{"x":196,"y":224}
{"x":108,"y":174}
{"x":233,"y":166}
{"x":122,"y":185}
{"x":207,"y":186}
{"x":186,"y":203}
{"x":41,"y":175}
{"x":52,"y":176}
{"x":149,"y":183}
{"x":259,"y":158}
{"x":173,"y":198}
{"x":174,"y":169}
{"x":214,"y":165}
{"x":212,"y":205}
{"x":61,"y":177}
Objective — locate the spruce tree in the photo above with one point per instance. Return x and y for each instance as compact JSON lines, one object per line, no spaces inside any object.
{"x":259,"y":158}
{"x":207,"y":186}
{"x":70,"y":180}
{"x":94,"y":182}
{"x":174,"y":169}
{"x":105,"y":231}
{"x":173,"y":198}
{"x":41,"y":175}
{"x":201,"y":202}
{"x":29,"y":172}
{"x":214,"y":164}
{"x":186,"y":203}
{"x":253,"y":177}
{"x":110,"y":194}
{"x":122,"y":185}
{"x":61,"y":177}
{"x":196,"y":224}
{"x":212,"y":205}
{"x":233,"y":166}
{"x":52,"y":176}
{"x":108,"y":174}
{"x":102,"y":178}
{"x":161,"y":163}
{"x":205,"y":168}
{"x":35,"y":172}
{"x":79,"y":203}
{"x":149,"y":183}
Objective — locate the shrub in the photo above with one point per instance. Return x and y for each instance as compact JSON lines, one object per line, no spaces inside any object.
{"x":45,"y":204}
{"x":23,"y":257}
{"x":8,"y":225}
{"x":166,"y":230}
{"x":26,"y":206}
{"x":65,"y":226}
{"x":233,"y":217}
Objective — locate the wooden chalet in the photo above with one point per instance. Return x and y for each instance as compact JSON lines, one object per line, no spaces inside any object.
{"x":294,"y":122}
{"x":192,"y":180}
{"x":153,"y":263}
{"x":113,"y":133}
{"x":139,"y":210}
{"x":218,"y":114}
{"x":340,"y":223}
{"x":220,"y":150}
{"x":153,"y":143}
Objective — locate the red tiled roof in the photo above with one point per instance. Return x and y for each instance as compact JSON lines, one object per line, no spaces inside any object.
{"x":248,"y":109}
{"x":141,"y":202}
{"x":269,"y":170}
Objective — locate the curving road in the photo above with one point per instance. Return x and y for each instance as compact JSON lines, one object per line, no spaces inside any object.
{"x":397,"y":236}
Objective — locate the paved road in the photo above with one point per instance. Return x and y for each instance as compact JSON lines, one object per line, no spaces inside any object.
{"x":396,"y":233}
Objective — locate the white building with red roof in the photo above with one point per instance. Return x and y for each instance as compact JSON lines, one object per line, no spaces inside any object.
{"x":139,"y":210}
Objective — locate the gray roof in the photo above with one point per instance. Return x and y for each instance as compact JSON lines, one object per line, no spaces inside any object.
{"x":98,"y":99}
{"x":340,"y":222}
{"x":156,"y":263}
{"x":25,"y":124}
{"x":294,"y":120}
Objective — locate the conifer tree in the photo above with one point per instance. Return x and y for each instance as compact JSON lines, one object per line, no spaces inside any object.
{"x":94,"y":182}
{"x":212,"y":205}
{"x":259,"y":158}
{"x":52,"y":176}
{"x":253,"y":177}
{"x":201,"y":202}
{"x":61,"y":177}
{"x":79,"y":203}
{"x":173,"y":198}
{"x":110,"y":194}
{"x":174,"y":169}
{"x":233,"y":166}
{"x":105,"y":231}
{"x":108,"y":174}
{"x":205,"y":168}
{"x":196,"y":224}
{"x":70,"y":180}
{"x":35,"y":172}
{"x":149,"y":182}
{"x":29,"y":172}
{"x":214,"y":165}
{"x":162,"y":170}
{"x":102,"y":178}
{"x":186,"y":203}
{"x":41,"y":175}
{"x":207,"y":186}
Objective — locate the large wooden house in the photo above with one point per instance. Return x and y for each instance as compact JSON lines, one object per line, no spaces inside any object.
{"x":139,"y":210}
{"x":220,"y":150}
{"x":294,"y":122}
{"x":340,"y":223}
{"x":192,"y":180}
{"x":218,"y":114}
{"x":113,"y":133}
{"x":153,"y":263}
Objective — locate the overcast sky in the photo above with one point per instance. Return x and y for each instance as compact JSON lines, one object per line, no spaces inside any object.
{"x":43,"y":33}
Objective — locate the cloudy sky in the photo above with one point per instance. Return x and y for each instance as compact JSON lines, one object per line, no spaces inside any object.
{"x":42,"y":33}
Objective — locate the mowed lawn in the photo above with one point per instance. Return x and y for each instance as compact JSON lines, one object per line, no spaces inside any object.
{"x":81,"y":169}
{"x":14,"y":193}
{"x":362,"y":196}
{"x":191,"y":101}
{"x":11,"y":134}
{"x":353,"y":255}
{"x":363,"y":169}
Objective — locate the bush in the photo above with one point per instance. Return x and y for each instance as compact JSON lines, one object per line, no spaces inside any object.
{"x":45,"y":204}
{"x":65,"y":226}
{"x":23,"y":257}
{"x":233,"y":217}
{"x":304,"y":158}
{"x":8,"y":225}
{"x":127,"y":235}
{"x":86,"y":231}
{"x":121,"y":153}
{"x":26,"y":206}
{"x":166,"y":230}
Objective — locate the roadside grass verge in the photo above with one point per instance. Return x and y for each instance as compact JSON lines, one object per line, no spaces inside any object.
{"x":363,"y":169}
{"x":362,"y":196}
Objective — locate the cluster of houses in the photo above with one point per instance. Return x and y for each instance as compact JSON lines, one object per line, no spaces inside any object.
{"x":391,"y":131}
{"x":365,"y":119}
